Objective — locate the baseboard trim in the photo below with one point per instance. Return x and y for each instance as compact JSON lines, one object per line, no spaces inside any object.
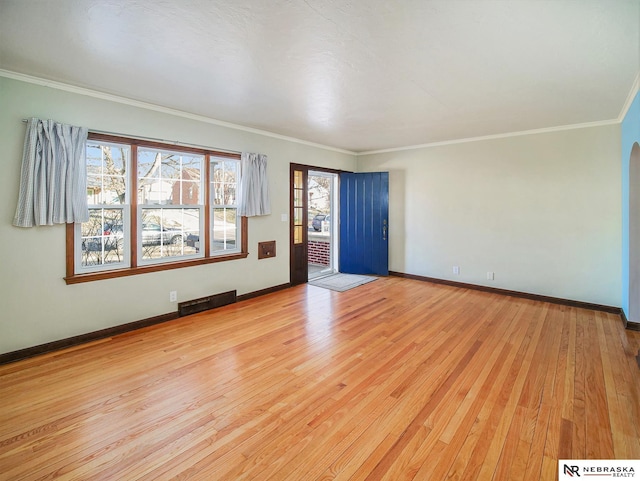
{"x":263,"y":292}
{"x":633,"y":326}
{"x":48,"y":347}
{"x":83,"y":338}
{"x":506,"y":292}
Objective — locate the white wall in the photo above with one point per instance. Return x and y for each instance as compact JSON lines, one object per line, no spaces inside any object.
{"x":36,"y":306}
{"x":541,"y":211}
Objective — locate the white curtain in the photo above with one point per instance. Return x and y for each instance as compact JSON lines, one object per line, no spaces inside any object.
{"x":254,"y":186}
{"x":53,"y":182}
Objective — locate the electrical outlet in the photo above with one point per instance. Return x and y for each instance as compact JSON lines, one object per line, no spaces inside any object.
{"x":173,"y":296}
{"x":490,"y":276}
{"x":456,"y":270}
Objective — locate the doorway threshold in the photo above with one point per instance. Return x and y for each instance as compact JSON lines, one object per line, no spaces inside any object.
{"x":316,"y":271}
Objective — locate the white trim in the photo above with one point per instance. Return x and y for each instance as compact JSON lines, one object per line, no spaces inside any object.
{"x":201,"y":118}
{"x":159,"y":108}
{"x":632,"y":95}
{"x":496,"y":136}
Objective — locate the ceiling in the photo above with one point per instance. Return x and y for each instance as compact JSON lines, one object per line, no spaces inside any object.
{"x":359,"y":75}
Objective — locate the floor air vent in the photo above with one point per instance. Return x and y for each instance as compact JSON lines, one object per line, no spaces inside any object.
{"x":206,"y":303}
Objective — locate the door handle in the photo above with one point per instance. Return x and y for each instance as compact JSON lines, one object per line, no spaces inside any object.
{"x":384,"y":229}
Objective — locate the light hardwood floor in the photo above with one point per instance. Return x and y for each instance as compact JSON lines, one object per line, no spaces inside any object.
{"x":396,"y":380}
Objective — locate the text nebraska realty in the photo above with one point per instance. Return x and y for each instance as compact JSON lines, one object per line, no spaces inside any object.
{"x":613,"y":471}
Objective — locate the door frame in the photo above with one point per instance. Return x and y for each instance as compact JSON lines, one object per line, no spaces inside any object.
{"x":300,"y":252}
{"x":334,"y":211}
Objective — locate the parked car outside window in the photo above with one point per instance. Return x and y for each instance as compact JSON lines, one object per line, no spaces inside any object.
{"x":316,"y":223}
{"x":152,"y":234}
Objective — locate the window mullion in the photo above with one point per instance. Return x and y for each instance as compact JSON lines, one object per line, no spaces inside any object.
{"x":133,"y":207}
{"x":208,"y":219}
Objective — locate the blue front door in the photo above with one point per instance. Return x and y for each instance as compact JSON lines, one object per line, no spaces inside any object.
{"x":364,"y":223}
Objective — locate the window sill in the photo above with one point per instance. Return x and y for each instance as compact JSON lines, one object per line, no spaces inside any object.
{"x":98,"y":276}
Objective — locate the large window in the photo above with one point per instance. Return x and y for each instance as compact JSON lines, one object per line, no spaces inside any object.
{"x":154,"y":207}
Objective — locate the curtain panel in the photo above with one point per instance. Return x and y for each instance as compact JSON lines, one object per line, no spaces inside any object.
{"x":53,"y":180}
{"x":254,"y":185}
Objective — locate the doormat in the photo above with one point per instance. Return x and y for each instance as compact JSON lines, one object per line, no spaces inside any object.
{"x":341,"y":282}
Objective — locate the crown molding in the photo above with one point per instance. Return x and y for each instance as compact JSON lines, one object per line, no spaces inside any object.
{"x":159,"y":108}
{"x":635,"y":87}
{"x":493,"y":137}
{"x":201,"y":118}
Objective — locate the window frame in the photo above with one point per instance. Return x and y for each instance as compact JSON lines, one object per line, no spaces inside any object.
{"x":132,"y":210}
{"x":123,"y":207}
{"x":224,"y":206}
{"x":159,"y":205}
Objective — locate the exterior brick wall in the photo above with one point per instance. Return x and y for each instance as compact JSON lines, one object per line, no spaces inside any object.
{"x":319,"y":253}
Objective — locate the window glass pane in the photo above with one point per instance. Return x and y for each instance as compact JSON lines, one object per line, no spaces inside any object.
{"x":297,"y":215}
{"x":225,"y":233}
{"x":149,"y":186}
{"x":169,"y":178}
{"x":297,"y":179}
{"x":223,"y":193}
{"x":224,"y":229}
{"x":188,"y":194}
{"x":231,"y":169}
{"x":165,"y":233}
{"x":170,"y":166}
{"x":224,"y":182}
{"x":149,"y":164}
{"x":297,"y":234}
{"x":298,"y":197}
{"x":191,"y":167}
{"x":102,"y":238}
{"x":106,"y":173}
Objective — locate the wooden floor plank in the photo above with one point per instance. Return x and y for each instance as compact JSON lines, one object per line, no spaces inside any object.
{"x":394,"y":380}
